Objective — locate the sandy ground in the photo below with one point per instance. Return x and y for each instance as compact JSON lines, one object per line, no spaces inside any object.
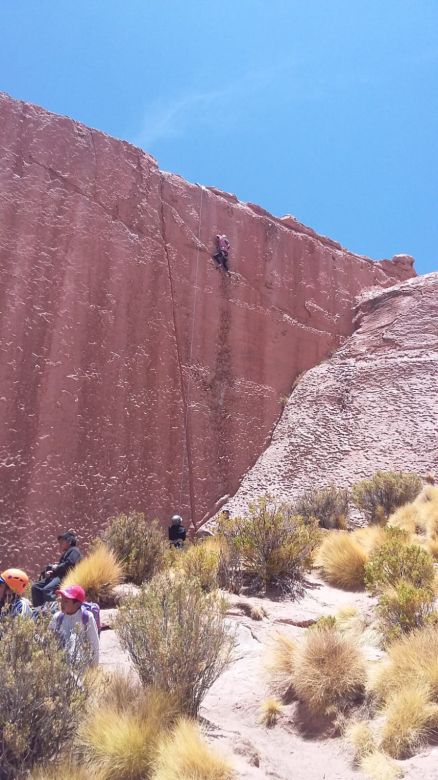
{"x":292,"y":750}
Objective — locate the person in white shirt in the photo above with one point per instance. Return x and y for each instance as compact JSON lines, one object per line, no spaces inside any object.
{"x":73,"y":618}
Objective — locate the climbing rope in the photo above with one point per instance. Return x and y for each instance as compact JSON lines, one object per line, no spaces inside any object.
{"x":189,"y":381}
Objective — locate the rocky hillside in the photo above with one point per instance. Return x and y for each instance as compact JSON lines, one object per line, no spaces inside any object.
{"x":372,"y":405}
{"x":134,"y":374}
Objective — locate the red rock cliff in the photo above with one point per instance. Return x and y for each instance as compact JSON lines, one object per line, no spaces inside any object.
{"x":134,"y":374}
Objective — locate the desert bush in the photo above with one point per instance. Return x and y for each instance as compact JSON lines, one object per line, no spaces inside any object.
{"x":176,"y":636}
{"x":325,"y":670}
{"x":140,"y":545}
{"x":378,"y":766}
{"x":411,"y":660}
{"x":185,"y":756}
{"x":404,"y":607}
{"x":98,"y":573}
{"x":119,"y":738}
{"x":272,"y":546}
{"x":381,"y":495}
{"x":328,"y":505}
{"x":201,"y":561}
{"x":341,"y":560}
{"x":270,"y":711}
{"x":396,"y":560}
{"x":409,"y":718}
{"x":40,"y":700}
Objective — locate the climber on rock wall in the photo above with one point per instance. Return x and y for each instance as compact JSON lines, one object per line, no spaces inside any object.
{"x":222,"y":250}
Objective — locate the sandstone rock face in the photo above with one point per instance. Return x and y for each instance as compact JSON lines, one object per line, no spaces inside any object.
{"x":372,"y":405}
{"x":134,"y":374}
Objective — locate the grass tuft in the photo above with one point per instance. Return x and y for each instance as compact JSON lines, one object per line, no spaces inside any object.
{"x":270,"y":711}
{"x":362,"y":738}
{"x":412,"y":660}
{"x":409,"y":718}
{"x":342,"y":561}
{"x":281,"y":663}
{"x":185,"y":756}
{"x":324,"y":670}
{"x":98,"y":573}
{"x":329,"y":671}
{"x":379,"y":767}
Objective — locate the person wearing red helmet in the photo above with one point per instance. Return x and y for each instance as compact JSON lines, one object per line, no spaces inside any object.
{"x":13,"y":583}
{"x":74,"y":620}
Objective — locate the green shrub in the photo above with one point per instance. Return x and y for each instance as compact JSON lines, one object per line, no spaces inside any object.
{"x":201,"y":561}
{"x":395,"y":560}
{"x":381,"y":495}
{"x":139,"y":544}
{"x":176,"y":636}
{"x":272,"y":546}
{"x":404,"y":607}
{"x":40,"y":699}
{"x":329,"y":505}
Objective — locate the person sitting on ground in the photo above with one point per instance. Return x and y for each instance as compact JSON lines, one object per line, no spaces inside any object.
{"x":13,"y":583}
{"x":177,"y":532}
{"x":221,"y":254}
{"x":50,"y":579}
{"x":74,"y":620}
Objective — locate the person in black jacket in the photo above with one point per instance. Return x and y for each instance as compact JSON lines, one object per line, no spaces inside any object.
{"x":177,"y":532}
{"x":50,"y":579}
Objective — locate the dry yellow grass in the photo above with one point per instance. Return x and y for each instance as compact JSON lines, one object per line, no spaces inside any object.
{"x":119,"y":737}
{"x":369,"y":537}
{"x":359,"y":735}
{"x":118,"y":690}
{"x":185,"y":756}
{"x":270,"y":711}
{"x":409,"y":719}
{"x":98,"y":573}
{"x":379,"y":767}
{"x":281,"y":663}
{"x":406,"y":518}
{"x":421,"y":516}
{"x":432,"y":548}
{"x":64,"y":771}
{"x":341,"y":560}
{"x":254,"y":611}
{"x":328,"y":671}
{"x":119,"y":745}
{"x":412,"y":660}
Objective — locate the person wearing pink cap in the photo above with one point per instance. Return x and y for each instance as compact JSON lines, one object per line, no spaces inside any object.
{"x":74,"y":620}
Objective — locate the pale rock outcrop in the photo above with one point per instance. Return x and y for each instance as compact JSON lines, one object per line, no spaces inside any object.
{"x":372,"y":405}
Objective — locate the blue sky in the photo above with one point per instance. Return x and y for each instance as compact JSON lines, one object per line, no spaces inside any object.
{"x":325,"y":109}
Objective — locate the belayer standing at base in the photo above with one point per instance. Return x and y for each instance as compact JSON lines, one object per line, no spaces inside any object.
{"x":50,"y":579}
{"x":177,"y":532}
